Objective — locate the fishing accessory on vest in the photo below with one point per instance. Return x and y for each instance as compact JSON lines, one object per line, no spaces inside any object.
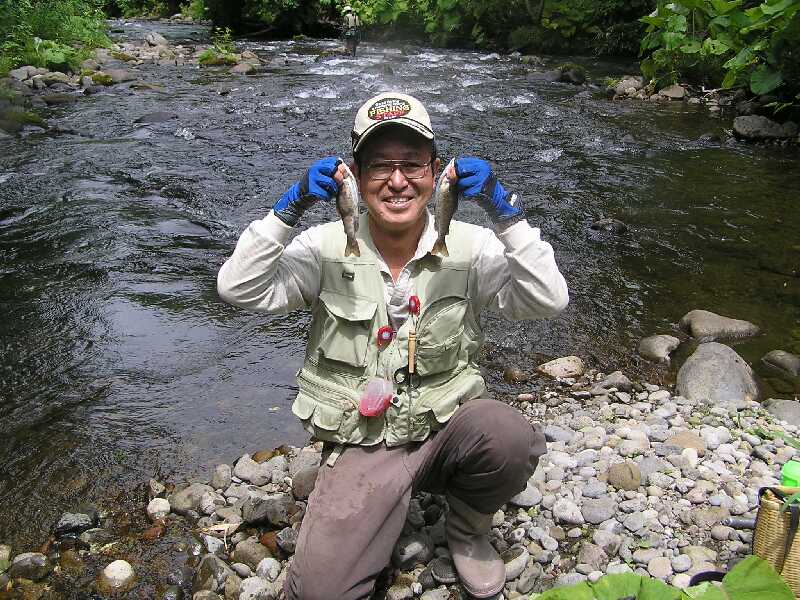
{"x":413,"y":308}
{"x":477,"y":181}
{"x":317,"y":184}
{"x":377,"y":396}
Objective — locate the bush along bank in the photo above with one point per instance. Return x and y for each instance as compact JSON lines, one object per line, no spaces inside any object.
{"x":637,"y":479}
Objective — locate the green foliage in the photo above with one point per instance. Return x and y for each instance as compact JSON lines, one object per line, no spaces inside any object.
{"x":141,"y":8}
{"x":196,"y":9}
{"x":749,"y":579}
{"x":222,"y":52}
{"x":56,"y":34}
{"x":725,"y":43}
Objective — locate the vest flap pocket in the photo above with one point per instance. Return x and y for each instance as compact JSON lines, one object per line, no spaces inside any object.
{"x":322,"y":415}
{"x":342,"y":328}
{"x":348,"y":307}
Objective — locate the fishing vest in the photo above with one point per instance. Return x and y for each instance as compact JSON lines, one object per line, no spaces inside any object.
{"x":342,"y":353}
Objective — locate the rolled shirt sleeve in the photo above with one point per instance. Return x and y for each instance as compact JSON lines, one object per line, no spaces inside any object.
{"x":264,"y":274}
{"x":515,"y":274}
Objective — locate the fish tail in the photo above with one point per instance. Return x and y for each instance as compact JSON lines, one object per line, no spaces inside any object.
{"x":352,"y":249}
{"x":440,"y":248}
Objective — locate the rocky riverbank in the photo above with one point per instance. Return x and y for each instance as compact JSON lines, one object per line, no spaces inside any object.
{"x":636,"y":478}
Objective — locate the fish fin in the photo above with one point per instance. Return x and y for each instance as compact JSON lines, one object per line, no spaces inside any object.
{"x":440,"y":248}
{"x":352,"y":249}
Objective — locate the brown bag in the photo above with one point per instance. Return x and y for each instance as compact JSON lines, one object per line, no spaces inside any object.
{"x":775,"y":538}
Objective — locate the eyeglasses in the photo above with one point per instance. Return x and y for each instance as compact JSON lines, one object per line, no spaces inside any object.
{"x":383,"y":170}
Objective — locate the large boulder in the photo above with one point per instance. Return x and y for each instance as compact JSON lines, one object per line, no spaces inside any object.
{"x":715,"y":374}
{"x":657,"y":348}
{"x":673,"y":92}
{"x":785,"y":362}
{"x":30,"y":565}
{"x":708,"y":326}
{"x":262,"y":507}
{"x":756,"y":127}
{"x":785,"y":410}
{"x":628,"y":82}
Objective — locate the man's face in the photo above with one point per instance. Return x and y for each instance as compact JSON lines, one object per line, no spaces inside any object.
{"x":397,"y":202}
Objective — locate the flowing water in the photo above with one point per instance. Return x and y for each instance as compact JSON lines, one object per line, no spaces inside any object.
{"x":117,"y":359}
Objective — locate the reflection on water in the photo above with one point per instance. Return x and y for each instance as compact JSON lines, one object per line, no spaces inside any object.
{"x":117,"y":359}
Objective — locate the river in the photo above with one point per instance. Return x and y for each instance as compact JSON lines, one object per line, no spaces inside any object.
{"x":117,"y":359}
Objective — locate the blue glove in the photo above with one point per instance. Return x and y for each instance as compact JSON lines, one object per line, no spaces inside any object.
{"x":477,"y":181}
{"x":317,"y":184}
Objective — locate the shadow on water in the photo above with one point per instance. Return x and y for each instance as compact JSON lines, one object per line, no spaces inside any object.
{"x":118,"y":360}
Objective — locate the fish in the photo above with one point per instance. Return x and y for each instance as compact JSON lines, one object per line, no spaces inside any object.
{"x":446,"y":202}
{"x":347,"y":201}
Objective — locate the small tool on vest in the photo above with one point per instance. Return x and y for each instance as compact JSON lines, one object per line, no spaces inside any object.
{"x":413,"y":309}
{"x":377,"y":396}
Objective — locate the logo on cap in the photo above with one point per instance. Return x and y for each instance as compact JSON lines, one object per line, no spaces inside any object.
{"x":388,"y":108}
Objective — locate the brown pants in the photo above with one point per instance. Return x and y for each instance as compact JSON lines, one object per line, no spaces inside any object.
{"x":484,"y":455}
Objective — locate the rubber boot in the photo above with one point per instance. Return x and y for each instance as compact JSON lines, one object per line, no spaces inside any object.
{"x":479,"y":567}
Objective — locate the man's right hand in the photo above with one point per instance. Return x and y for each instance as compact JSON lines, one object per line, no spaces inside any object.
{"x":317,"y":184}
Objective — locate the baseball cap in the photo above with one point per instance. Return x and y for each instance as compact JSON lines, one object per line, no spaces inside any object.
{"x":347,"y":9}
{"x":390,"y":108}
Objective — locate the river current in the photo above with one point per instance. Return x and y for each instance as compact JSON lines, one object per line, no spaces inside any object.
{"x":119,"y":362}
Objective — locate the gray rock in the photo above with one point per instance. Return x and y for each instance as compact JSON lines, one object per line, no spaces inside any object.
{"x":566,"y":366}
{"x":287,"y":539}
{"x":783,"y":361}
{"x":673,"y":92}
{"x":243,"y":68}
{"x":156,"y":39}
{"x":660,"y":567}
{"x":117,"y":576}
{"x":30,"y":565}
{"x":516,"y":559}
{"x":755,"y":127}
{"x":120,"y":75}
{"x":247,"y":469}
{"x":681,"y":563}
{"x":251,"y":552}
{"x":717,"y":375}
{"x":211,"y":574}
{"x":188,"y":499}
{"x":269,"y":569}
{"x":635,"y":82}
{"x":529,"y":577}
{"x":707,"y":326}
{"x":570,"y":579}
{"x":595,"y":511}
{"x":268,"y":508}
{"x":412,"y":549}
{"x":257,"y":588}
{"x":22,"y":73}
{"x":206,"y":595}
{"x":785,"y":410}
{"x":568,"y":512}
{"x":611,"y":225}
{"x":554,"y":433}
{"x":592,"y":555}
{"x":530,"y":496}
{"x":608,"y":541}
{"x":594,"y":488}
{"x":399,"y":592}
{"x":213,"y":545}
{"x":617,"y":380}
{"x":657,"y":348}
{"x":303,"y":482}
{"x":158,"y":508}
{"x":440,"y":593}
{"x":74,"y":523}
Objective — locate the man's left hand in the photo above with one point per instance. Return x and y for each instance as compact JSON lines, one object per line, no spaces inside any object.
{"x":476,"y":180}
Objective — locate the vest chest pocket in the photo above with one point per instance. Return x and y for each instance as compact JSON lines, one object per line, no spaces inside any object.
{"x":343,"y":327}
{"x":440,"y":336}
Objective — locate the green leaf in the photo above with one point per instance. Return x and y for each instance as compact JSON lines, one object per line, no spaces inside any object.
{"x":654,"y":589}
{"x":580,"y":591}
{"x":723,"y":8}
{"x":730,"y":79}
{"x":714,"y":47}
{"x":672,"y":41}
{"x":705,"y":591}
{"x":621,"y":585}
{"x":692,"y":47}
{"x":796,"y":496}
{"x":762,"y":81}
{"x":721,"y":22}
{"x":743,"y":58}
{"x":676,"y":23}
{"x":771,"y":8}
{"x":755,"y":579}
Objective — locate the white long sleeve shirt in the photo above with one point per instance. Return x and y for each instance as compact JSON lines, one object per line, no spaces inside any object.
{"x":514,"y":272}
